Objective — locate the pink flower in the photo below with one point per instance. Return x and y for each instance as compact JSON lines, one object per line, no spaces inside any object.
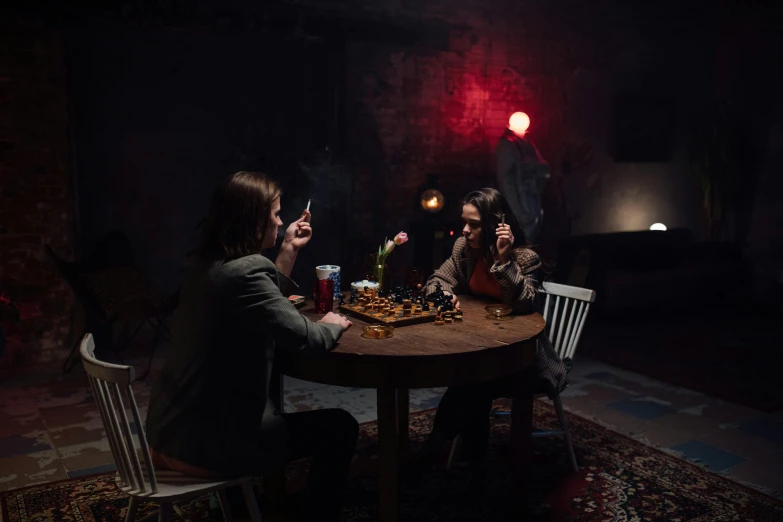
{"x":386,"y":249}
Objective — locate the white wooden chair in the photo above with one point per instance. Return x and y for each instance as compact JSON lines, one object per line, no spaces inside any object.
{"x":111,"y":387}
{"x":565,"y":316}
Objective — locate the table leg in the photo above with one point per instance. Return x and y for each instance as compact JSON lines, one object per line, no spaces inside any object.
{"x":403,"y":412}
{"x":274,"y":496}
{"x":522,"y":440}
{"x":388,"y":453}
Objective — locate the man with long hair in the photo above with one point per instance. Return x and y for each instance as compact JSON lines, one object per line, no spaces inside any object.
{"x":210,"y":413}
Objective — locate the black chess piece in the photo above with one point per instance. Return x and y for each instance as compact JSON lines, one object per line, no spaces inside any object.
{"x":425,"y":307}
{"x":342,"y":300}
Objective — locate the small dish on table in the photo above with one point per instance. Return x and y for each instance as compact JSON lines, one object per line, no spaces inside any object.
{"x":498,"y":312}
{"x":377,"y":331}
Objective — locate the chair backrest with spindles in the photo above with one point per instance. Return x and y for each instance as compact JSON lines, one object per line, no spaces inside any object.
{"x":111,"y":386}
{"x":565,"y":311}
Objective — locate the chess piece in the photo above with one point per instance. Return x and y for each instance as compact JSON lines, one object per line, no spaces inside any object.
{"x":342,"y":300}
{"x":425,"y":307}
{"x":438,"y":320}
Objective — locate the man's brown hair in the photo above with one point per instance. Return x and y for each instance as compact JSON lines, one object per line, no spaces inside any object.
{"x":239,"y":216}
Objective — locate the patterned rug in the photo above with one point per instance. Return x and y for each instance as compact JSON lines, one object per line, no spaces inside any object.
{"x":621,"y":480}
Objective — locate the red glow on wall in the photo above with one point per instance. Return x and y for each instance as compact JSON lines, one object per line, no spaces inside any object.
{"x":519,"y":122}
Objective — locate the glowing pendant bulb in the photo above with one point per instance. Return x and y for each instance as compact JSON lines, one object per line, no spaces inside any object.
{"x":519,"y":122}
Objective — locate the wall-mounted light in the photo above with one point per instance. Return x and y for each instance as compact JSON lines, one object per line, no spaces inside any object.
{"x":432,"y":200}
{"x":519,"y":122}
{"x":657,"y":226}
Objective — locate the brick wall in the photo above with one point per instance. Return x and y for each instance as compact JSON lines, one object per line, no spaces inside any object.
{"x":413,"y":110}
{"x":35,"y":199}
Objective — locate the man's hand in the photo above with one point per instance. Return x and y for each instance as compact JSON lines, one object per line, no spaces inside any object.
{"x":298,"y":233}
{"x":334,"y":318}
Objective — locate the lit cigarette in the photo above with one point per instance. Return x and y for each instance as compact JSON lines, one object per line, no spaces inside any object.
{"x":308,"y":206}
{"x":502,"y":219}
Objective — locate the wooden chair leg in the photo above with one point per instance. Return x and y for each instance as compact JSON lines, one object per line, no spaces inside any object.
{"x":70,"y":361}
{"x":250,"y":499}
{"x":155,"y":342}
{"x":164,"y":512}
{"x":133,"y":507}
{"x":566,"y":433}
{"x":225,"y":508}
{"x":453,"y":453}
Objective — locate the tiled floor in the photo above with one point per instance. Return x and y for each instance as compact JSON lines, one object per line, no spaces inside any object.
{"x":51,"y":430}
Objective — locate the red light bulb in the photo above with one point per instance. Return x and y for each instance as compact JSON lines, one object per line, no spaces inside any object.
{"x":519,"y":122}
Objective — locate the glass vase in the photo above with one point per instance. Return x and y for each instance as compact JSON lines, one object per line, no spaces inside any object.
{"x":380,"y":274}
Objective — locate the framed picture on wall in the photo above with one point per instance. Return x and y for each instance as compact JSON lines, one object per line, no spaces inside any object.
{"x":642,"y":128}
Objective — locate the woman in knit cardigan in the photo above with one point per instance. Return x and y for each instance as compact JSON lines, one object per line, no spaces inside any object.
{"x":490,"y":259}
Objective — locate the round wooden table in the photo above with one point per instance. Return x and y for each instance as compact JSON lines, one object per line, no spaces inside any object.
{"x":474,"y":350}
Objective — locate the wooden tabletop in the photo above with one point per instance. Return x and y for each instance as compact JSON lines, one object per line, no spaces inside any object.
{"x":425,"y":355}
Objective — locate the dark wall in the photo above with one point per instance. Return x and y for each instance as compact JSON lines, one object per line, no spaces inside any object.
{"x":36,"y":202}
{"x":162,"y":115}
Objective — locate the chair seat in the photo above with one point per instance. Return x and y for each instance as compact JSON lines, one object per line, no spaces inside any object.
{"x":173,"y":485}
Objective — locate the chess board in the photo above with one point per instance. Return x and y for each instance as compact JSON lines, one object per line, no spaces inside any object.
{"x":395,"y":320}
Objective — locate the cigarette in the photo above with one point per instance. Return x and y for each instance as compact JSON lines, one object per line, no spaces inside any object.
{"x":502,"y":219}
{"x":308,"y":205}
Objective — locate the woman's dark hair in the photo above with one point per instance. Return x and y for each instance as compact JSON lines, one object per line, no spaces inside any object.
{"x":491,"y":205}
{"x":239,"y":216}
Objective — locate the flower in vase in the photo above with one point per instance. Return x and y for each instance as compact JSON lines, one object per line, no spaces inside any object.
{"x":386,"y":249}
{"x":400,"y":238}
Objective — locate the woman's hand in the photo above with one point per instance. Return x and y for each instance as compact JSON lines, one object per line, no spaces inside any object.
{"x":298,"y":233}
{"x":454,"y":301}
{"x":504,"y":243}
{"x":334,"y":318}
